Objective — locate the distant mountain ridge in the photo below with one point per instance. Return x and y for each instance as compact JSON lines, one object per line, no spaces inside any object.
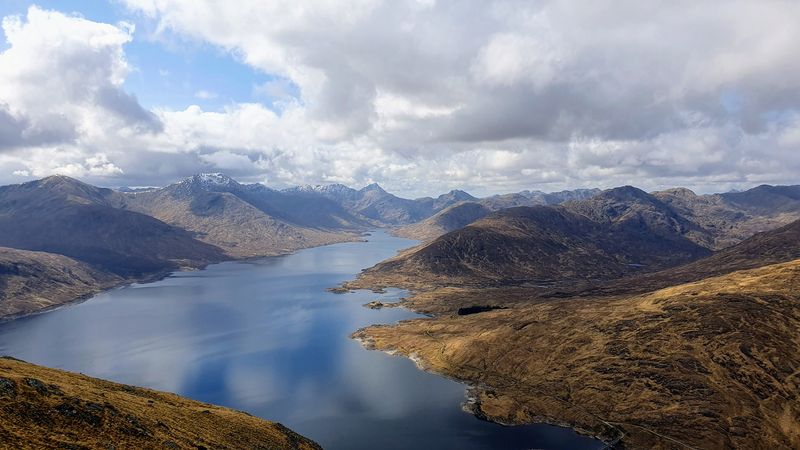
{"x":461,"y":214}
{"x":65,"y":216}
{"x":731,"y":217}
{"x":381,"y":207}
{"x":611,"y":234}
{"x":246,"y":220}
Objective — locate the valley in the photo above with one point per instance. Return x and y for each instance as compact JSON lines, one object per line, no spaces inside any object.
{"x":420,"y":224}
{"x":647,"y":320}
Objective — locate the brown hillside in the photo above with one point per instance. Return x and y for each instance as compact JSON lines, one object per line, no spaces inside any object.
{"x":537,"y":245}
{"x":711,"y":364}
{"x":42,"y":408}
{"x":36,"y":281}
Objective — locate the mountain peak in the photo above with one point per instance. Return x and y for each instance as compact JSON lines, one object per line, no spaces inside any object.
{"x":215,"y":178}
{"x":458,"y":193}
{"x":210,"y":180}
{"x":626,"y":193}
{"x":57,"y":179}
{"x":61,"y":185}
{"x":451,"y":197}
{"x":205,"y":182}
{"x":680,"y":192}
{"x":373,"y":187}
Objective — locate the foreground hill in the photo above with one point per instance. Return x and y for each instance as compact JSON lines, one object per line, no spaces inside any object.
{"x":535,"y":244}
{"x":47,"y":408}
{"x":36,"y":281}
{"x":246,"y":220}
{"x":64,"y":216}
{"x":709,"y":364}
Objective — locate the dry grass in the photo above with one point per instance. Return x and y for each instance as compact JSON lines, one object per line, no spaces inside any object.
{"x":35,"y":281}
{"x":710,"y":364}
{"x":43,"y":408}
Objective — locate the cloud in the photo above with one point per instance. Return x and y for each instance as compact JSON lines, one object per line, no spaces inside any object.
{"x":61,"y":68}
{"x":426,"y":96}
{"x":61,"y":93}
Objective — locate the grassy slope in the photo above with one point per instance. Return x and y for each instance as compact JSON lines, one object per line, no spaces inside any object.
{"x":47,"y":408}
{"x":710,"y":364}
{"x":36,"y":281}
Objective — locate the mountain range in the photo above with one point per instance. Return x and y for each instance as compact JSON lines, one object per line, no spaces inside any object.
{"x":614,"y":233}
{"x":62,"y":239}
{"x":662,"y":320}
{"x":58,"y":226}
{"x":381,"y":207}
{"x":647,"y":319}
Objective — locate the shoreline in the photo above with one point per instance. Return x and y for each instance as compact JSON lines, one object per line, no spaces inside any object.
{"x":472,"y":390}
{"x":161,"y":275}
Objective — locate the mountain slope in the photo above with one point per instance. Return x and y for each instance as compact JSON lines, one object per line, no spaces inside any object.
{"x":64,"y":216}
{"x":732,"y":217}
{"x":770,"y":247}
{"x":451,"y":218}
{"x":234,"y":217}
{"x":635,"y":211}
{"x":52,"y":409}
{"x":709,"y":364}
{"x":461,"y":214}
{"x":533,"y":244}
{"x":35,"y":281}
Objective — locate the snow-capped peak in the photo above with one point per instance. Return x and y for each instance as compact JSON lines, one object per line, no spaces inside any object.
{"x":208,"y":182}
{"x":214,"y":179}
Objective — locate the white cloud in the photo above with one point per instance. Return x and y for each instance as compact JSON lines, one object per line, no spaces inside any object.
{"x":424,"y":96}
{"x":508,"y":59}
{"x":61,"y":88}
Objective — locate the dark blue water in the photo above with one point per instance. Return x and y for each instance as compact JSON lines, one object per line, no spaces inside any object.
{"x":265,"y":337}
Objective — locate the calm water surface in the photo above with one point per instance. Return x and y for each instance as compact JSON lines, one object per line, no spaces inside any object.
{"x":265,"y":337}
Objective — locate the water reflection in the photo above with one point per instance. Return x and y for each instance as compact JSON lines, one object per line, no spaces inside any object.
{"x":264,"y":336}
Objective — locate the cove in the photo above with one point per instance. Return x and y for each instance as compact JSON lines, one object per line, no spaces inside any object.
{"x":264,"y":337}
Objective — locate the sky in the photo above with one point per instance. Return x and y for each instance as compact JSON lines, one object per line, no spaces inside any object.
{"x":420,"y":96}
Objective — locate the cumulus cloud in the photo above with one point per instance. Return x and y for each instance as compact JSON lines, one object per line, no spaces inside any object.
{"x":61,"y":96}
{"x":428,"y":95}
